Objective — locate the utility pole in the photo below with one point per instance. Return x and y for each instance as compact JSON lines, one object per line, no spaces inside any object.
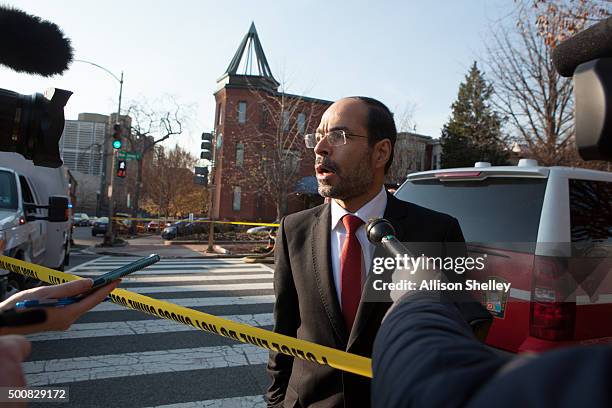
{"x":108,"y":237}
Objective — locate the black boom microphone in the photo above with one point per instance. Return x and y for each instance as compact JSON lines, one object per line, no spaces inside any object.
{"x":592,"y":43}
{"x":587,"y":56}
{"x":32,"y":125}
{"x":380,"y":231}
{"x":32,"y":45}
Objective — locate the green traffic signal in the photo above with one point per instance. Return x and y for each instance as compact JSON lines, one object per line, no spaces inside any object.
{"x":116,"y":144}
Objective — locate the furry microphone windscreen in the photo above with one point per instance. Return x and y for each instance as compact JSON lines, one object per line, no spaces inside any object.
{"x":592,"y":43}
{"x":32,"y":45}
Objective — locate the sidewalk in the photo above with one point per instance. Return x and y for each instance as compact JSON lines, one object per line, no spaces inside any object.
{"x":155,"y":245}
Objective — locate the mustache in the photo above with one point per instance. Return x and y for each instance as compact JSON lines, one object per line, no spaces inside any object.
{"x":327,"y":163}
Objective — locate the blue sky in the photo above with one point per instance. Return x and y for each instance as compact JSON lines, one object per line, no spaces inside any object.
{"x":405,"y":53}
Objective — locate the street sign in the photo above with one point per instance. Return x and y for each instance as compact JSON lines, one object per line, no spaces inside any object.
{"x":129,"y":155}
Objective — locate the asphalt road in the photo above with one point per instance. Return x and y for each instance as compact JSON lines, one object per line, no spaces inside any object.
{"x":115,"y":357}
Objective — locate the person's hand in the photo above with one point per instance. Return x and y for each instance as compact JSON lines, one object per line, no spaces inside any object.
{"x":13,"y":350}
{"x":58,"y":318}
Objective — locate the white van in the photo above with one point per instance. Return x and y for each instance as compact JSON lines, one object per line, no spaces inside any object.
{"x":23,"y":187}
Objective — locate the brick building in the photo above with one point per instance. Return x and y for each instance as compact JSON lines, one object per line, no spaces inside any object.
{"x":412,"y":153}
{"x":262,"y":167}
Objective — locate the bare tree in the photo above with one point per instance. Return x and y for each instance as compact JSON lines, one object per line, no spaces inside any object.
{"x":535,"y":99}
{"x":558,"y":19}
{"x":149,"y":128}
{"x":171,"y":190}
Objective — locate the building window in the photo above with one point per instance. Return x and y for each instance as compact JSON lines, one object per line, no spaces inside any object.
{"x":301,"y":123}
{"x":239,"y":154}
{"x":285,"y":121}
{"x":264,"y":117}
{"x":236,"y":200}
{"x":242,"y":107}
{"x":219,"y":114}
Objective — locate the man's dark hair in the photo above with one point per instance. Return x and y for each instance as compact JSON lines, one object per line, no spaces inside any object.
{"x":380,"y":124}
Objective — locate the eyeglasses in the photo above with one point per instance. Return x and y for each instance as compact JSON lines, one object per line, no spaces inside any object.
{"x":334,"y":138}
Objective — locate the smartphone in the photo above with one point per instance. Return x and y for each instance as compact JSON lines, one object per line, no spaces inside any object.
{"x":97,"y":283}
{"x":124,"y":270}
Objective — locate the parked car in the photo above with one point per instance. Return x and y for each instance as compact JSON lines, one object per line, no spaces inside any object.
{"x":100,"y":226}
{"x":176,"y":229}
{"x":261,"y":231}
{"x":153,"y":226}
{"x":545,"y":230}
{"x":80,"y":220}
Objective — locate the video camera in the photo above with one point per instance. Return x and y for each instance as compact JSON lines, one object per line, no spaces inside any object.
{"x":32,"y":125}
{"x":587,"y":56}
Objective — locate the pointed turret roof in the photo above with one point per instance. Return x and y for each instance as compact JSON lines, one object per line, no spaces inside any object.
{"x":250,"y":63}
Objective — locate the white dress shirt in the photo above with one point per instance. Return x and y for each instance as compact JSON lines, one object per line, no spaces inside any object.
{"x":375,"y":208}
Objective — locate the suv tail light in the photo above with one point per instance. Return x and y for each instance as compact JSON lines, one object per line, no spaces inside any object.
{"x":553,"y":313}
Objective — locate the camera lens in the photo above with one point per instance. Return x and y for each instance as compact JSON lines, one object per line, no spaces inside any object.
{"x":32,"y":125}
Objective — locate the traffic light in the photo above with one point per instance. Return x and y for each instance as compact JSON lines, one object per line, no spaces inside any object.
{"x":116,"y":136}
{"x":121,"y":168}
{"x":201,"y":176}
{"x":206,"y":146}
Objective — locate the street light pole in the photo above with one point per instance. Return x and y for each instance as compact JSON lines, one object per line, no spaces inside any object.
{"x":108,"y":237}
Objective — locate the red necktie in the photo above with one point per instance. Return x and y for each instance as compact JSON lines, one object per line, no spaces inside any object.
{"x":350,"y":270}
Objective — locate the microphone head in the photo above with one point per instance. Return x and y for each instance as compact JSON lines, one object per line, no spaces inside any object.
{"x":32,"y":45}
{"x":377,"y":229}
{"x":592,"y":43}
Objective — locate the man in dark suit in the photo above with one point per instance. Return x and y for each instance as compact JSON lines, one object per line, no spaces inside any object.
{"x":323,"y":257}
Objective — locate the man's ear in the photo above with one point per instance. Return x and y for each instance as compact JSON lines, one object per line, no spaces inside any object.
{"x":382,"y":153}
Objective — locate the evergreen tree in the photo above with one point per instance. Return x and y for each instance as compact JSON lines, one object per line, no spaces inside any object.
{"x":473,"y":133}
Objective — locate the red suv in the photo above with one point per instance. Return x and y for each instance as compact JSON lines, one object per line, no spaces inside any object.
{"x":545,"y":230}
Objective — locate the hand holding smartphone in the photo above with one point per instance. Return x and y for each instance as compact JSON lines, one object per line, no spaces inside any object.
{"x":98,"y":282}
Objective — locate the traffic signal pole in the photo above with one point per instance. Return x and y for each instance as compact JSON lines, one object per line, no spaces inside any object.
{"x":212,"y":189}
{"x":109,"y":237}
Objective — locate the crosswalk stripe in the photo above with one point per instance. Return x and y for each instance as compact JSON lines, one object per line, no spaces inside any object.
{"x":136,"y":327}
{"x":166,"y":266}
{"x":198,"y":302}
{"x":203,"y":288}
{"x":95,"y":260}
{"x":160,"y":278}
{"x":123,"y":261}
{"x":49,"y":372}
{"x":178,"y":279}
{"x":249,"y":401}
{"x":173,"y":271}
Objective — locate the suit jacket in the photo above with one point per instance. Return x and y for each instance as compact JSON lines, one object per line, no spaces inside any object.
{"x":307,"y":306}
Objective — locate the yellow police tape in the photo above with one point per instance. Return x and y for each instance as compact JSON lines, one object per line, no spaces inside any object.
{"x":302,"y":349}
{"x":256,"y":224}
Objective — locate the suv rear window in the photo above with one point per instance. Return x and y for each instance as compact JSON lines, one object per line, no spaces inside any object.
{"x":8,"y":191}
{"x":590,"y":210}
{"x":493,"y":210}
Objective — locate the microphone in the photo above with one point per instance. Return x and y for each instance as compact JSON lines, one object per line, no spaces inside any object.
{"x":592,"y":43}
{"x":32,"y":45}
{"x":380,"y":231}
